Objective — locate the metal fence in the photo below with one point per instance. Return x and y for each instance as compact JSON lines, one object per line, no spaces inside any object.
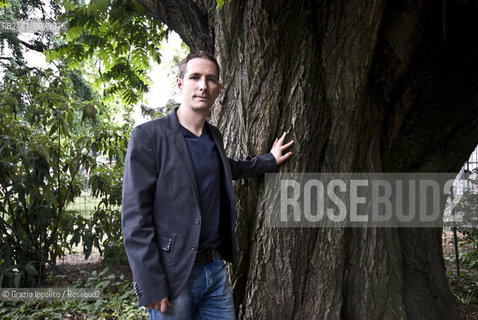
{"x":83,"y":205}
{"x":472,"y":164}
{"x":465,"y":182}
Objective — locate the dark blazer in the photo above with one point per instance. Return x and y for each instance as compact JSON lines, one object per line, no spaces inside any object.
{"x":160,"y":217}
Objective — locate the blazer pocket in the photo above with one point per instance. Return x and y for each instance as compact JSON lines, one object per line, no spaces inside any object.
{"x":166,"y":247}
{"x":165,"y":243}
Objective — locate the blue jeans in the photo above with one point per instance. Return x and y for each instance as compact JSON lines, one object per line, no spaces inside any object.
{"x":206,"y":296}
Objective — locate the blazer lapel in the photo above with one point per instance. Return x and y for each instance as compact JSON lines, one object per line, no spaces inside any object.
{"x":222,"y":154}
{"x":176,"y":137}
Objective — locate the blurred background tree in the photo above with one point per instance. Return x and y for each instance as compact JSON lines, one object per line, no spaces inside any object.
{"x":65,"y":126}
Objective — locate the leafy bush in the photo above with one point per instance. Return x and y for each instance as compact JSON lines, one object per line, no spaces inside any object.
{"x":118,"y":302}
{"x":47,"y":140}
{"x":56,"y":123}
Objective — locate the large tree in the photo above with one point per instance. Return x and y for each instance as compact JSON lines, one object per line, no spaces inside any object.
{"x":361,"y":86}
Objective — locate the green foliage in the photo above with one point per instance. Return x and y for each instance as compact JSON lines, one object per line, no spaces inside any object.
{"x":120,"y":37}
{"x":466,"y":287}
{"x":467,"y":208}
{"x":57,"y":123}
{"x":118,"y":302}
{"x":55,"y":126}
{"x":470,"y":258}
{"x":40,"y":41}
{"x":4,"y":4}
{"x":47,"y":139}
{"x":220,"y":3}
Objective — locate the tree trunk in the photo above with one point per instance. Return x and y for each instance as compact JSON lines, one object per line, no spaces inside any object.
{"x":361,"y":86}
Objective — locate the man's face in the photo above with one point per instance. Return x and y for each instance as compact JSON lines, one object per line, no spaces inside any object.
{"x":200,"y":86}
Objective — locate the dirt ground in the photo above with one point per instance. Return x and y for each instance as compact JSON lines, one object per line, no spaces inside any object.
{"x":75,"y":267}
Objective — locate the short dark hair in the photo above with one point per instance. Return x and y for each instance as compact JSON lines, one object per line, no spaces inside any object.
{"x":197,"y":54}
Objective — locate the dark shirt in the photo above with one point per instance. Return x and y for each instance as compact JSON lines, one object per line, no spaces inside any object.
{"x":205,"y":158}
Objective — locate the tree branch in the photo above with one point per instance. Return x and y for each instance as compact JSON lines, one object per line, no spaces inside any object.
{"x":188,"y":18}
{"x":433,"y":125}
{"x":38,"y":46}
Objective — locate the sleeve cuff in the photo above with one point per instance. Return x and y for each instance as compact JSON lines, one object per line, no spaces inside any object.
{"x":270,"y":163}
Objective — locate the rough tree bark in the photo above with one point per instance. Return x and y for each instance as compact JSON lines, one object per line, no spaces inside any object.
{"x":361,"y":86}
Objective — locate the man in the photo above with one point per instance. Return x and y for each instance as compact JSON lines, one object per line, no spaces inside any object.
{"x":178,"y":213}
